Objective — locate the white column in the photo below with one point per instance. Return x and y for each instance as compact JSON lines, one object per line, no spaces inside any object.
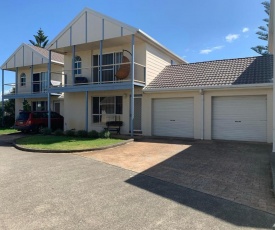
{"x":73,"y":60}
{"x":86,"y":111}
{"x":49,"y":94}
{"x":2,"y":109}
{"x":132,"y":113}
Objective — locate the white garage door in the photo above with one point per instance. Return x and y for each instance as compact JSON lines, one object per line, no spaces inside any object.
{"x":239,"y":118}
{"x":173,"y":117}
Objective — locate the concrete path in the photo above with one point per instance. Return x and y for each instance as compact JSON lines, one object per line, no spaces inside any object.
{"x":64,"y":191}
{"x":235,"y":171}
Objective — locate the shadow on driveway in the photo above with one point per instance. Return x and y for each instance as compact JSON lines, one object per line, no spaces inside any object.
{"x":237,"y":172}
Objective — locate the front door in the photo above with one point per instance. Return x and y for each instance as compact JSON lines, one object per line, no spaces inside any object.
{"x":137,"y":113}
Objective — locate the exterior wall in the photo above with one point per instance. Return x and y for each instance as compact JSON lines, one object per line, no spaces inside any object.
{"x":208,"y":95}
{"x":75,"y":110}
{"x":19,"y":104}
{"x":156,"y":61}
{"x":36,"y":69}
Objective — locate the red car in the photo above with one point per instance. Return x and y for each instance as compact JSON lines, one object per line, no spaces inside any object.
{"x":36,"y":121}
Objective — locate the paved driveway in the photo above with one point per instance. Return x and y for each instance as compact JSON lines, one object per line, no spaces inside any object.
{"x":65,"y":191}
{"x":238,"y":172}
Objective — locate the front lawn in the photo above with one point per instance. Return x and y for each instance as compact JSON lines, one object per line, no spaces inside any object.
{"x":7,"y":131}
{"x":63,"y":142}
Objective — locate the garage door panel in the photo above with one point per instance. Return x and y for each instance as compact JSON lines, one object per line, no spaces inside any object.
{"x":173,"y":117}
{"x":239,"y":118}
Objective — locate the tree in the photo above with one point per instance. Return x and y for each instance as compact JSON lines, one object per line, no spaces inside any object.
{"x":40,"y":39}
{"x":26,"y":105}
{"x":9,"y":109}
{"x":263,"y":32}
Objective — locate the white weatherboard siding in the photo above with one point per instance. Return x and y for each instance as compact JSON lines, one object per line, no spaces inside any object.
{"x":242,"y":118}
{"x":173,"y":117}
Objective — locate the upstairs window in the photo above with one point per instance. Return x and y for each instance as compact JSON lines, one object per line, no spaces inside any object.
{"x":77,"y":65}
{"x":109,"y":66}
{"x":23,"y":79}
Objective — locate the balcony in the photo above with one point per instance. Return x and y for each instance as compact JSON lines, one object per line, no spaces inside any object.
{"x":106,"y":77}
{"x":29,"y":89}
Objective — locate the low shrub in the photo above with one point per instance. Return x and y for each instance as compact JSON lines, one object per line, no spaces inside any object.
{"x":70,"y":133}
{"x":8,"y":121}
{"x":46,"y":131}
{"x":82,"y":133}
{"x":93,"y":134}
{"x":105,"y":134}
{"x":58,"y":132}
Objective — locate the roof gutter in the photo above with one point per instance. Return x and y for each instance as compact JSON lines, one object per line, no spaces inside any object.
{"x":159,"y":90}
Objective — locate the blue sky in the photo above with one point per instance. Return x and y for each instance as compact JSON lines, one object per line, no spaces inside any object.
{"x":199,"y":30}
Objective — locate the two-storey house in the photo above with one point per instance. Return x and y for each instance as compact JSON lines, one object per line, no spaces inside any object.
{"x":30,"y":65}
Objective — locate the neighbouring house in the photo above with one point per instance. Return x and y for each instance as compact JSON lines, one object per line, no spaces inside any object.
{"x":30,"y":64}
{"x":115,"y":72}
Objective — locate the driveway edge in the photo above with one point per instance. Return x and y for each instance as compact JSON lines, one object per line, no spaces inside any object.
{"x":70,"y":151}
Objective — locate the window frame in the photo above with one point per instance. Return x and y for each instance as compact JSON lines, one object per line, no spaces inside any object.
{"x":77,"y":65}
{"x":117,"y":107}
{"x":23,"y":79}
{"x":114,"y":66}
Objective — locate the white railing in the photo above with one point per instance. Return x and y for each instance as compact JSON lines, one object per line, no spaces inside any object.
{"x":92,"y":75}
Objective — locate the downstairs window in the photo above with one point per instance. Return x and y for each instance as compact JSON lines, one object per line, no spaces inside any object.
{"x":106,"y":109}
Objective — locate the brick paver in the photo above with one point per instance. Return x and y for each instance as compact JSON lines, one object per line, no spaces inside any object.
{"x":238,"y":172}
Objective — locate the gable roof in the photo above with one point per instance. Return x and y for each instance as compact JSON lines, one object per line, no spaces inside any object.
{"x":86,"y":23}
{"x":241,"y":71}
{"x":56,"y":57}
{"x":27,"y":55}
{"x":91,"y":26}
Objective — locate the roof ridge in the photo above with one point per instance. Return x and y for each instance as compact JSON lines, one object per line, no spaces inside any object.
{"x":221,"y":60}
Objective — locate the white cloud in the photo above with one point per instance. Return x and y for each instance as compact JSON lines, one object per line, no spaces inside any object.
{"x":217,"y":47}
{"x":232,"y":37}
{"x":207,"y":51}
{"x":245,"y":30}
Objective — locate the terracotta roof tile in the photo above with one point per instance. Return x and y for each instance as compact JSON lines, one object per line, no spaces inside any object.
{"x":251,"y":70}
{"x":44,"y":52}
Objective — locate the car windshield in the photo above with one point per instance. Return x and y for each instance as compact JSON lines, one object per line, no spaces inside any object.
{"x":23,"y":116}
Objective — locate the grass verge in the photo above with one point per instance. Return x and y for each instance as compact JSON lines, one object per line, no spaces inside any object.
{"x":7,"y":131}
{"x":63,"y":142}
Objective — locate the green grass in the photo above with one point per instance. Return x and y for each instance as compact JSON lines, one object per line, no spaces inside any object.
{"x":63,"y":142}
{"x":7,"y":131}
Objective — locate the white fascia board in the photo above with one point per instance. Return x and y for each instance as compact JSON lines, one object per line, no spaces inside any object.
{"x":3,"y":66}
{"x":26,"y":46}
{"x":88,"y":10}
{"x":252,"y":86}
{"x":156,"y":43}
{"x":57,"y":62}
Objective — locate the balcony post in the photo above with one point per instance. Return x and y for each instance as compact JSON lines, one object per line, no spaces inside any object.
{"x":132,"y":116}
{"x":16,"y":81}
{"x":2,"y":108}
{"x":48,"y":86}
{"x":31,"y":77}
{"x":100,"y":61}
{"x":73,"y":61}
{"x":86,"y":112}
